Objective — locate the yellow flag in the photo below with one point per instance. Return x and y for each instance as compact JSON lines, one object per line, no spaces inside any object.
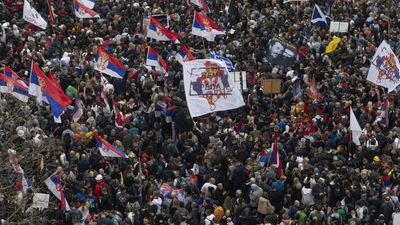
{"x":332,"y":46}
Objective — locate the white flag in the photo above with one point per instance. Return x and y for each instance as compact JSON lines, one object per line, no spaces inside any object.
{"x":385,"y":68}
{"x":355,"y":128}
{"x":209,"y":88}
{"x":33,"y":17}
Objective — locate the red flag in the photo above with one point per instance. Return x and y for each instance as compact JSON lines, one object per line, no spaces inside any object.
{"x":312,"y":90}
{"x":51,"y":13}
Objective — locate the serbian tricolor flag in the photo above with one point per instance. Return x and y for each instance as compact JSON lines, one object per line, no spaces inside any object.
{"x":17,"y":87}
{"x":109,"y":65}
{"x":312,"y":90}
{"x":40,"y":85}
{"x":204,"y":27}
{"x":184,"y":54}
{"x":157,"y":31}
{"x":200,"y":3}
{"x":108,"y":150}
{"x":154,"y":59}
{"x":84,"y":12}
{"x":54,"y":184}
{"x":34,"y":86}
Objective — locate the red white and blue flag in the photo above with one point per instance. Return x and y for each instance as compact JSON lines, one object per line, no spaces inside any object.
{"x":84,"y":12}
{"x":54,"y":184}
{"x":10,"y":82}
{"x":157,"y":31}
{"x":108,"y":150}
{"x":40,"y":85}
{"x":184,"y":54}
{"x":14,"y":86}
{"x":154,"y":59}
{"x":205,"y":27}
{"x":109,"y":65}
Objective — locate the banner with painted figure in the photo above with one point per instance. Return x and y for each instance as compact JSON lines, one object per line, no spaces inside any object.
{"x":281,"y":52}
{"x":208,"y":87}
{"x":384,"y":70}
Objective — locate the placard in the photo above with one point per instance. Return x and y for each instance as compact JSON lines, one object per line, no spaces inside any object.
{"x":40,"y":201}
{"x":281,"y":52}
{"x":271,"y":86}
{"x":339,"y":27}
{"x":239,"y":79}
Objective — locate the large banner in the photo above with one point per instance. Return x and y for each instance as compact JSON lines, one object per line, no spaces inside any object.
{"x":281,"y":52}
{"x":384,"y":70}
{"x":209,"y":88}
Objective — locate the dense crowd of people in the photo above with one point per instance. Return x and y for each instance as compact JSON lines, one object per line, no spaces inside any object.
{"x":211,"y":169}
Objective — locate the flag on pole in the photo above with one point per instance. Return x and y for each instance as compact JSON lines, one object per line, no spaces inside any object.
{"x":209,"y":88}
{"x":355,"y":128}
{"x":184,"y":54}
{"x":157,"y":31}
{"x":320,"y":18}
{"x":109,"y":65}
{"x":228,"y":62}
{"x":204,"y":27}
{"x":156,"y":60}
{"x":54,"y":184}
{"x":332,"y":46}
{"x":108,"y":150}
{"x":83,"y":12}
{"x":34,"y":85}
{"x":30,"y":15}
{"x":41,"y":84}
{"x":385,"y":68}
{"x":51,"y":12}
{"x":14,"y":86}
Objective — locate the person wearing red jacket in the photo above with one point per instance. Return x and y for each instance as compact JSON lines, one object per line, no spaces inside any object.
{"x":99,"y":186}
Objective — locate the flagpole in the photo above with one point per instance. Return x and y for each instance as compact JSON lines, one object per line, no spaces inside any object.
{"x":204,"y":46}
{"x":388,"y":15}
